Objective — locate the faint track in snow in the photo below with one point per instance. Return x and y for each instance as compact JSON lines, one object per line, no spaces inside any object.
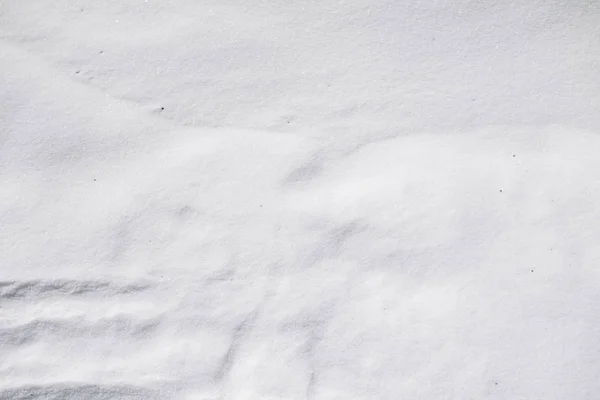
{"x":238,"y":335}
{"x":78,"y":391}
{"x":54,"y":317}
{"x":123,"y":327}
{"x":13,"y":290}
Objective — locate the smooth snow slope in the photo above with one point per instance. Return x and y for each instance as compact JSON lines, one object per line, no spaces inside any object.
{"x":299,"y":200}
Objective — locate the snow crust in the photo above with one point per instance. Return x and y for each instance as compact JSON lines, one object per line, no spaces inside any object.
{"x":299,"y":200}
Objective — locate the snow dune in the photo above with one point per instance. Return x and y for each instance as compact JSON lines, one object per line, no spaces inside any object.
{"x":328,"y":200}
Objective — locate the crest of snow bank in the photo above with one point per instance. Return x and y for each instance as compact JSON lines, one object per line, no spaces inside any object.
{"x":429,"y":186}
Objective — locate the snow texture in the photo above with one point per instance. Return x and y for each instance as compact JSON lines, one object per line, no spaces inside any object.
{"x":299,"y":200}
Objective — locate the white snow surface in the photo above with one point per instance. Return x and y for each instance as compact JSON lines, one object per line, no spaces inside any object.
{"x":300,"y":199}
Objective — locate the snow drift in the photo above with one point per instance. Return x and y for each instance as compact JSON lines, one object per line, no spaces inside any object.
{"x":253,"y":200}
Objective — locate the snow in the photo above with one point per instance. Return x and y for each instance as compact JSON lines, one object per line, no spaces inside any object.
{"x":299,"y":200}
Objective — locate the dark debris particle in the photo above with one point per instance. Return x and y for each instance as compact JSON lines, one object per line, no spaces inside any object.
{"x":500,"y":190}
{"x":162,"y":109}
{"x":531,"y":270}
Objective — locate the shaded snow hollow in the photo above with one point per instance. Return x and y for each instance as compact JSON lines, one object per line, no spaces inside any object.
{"x":313,"y":200}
